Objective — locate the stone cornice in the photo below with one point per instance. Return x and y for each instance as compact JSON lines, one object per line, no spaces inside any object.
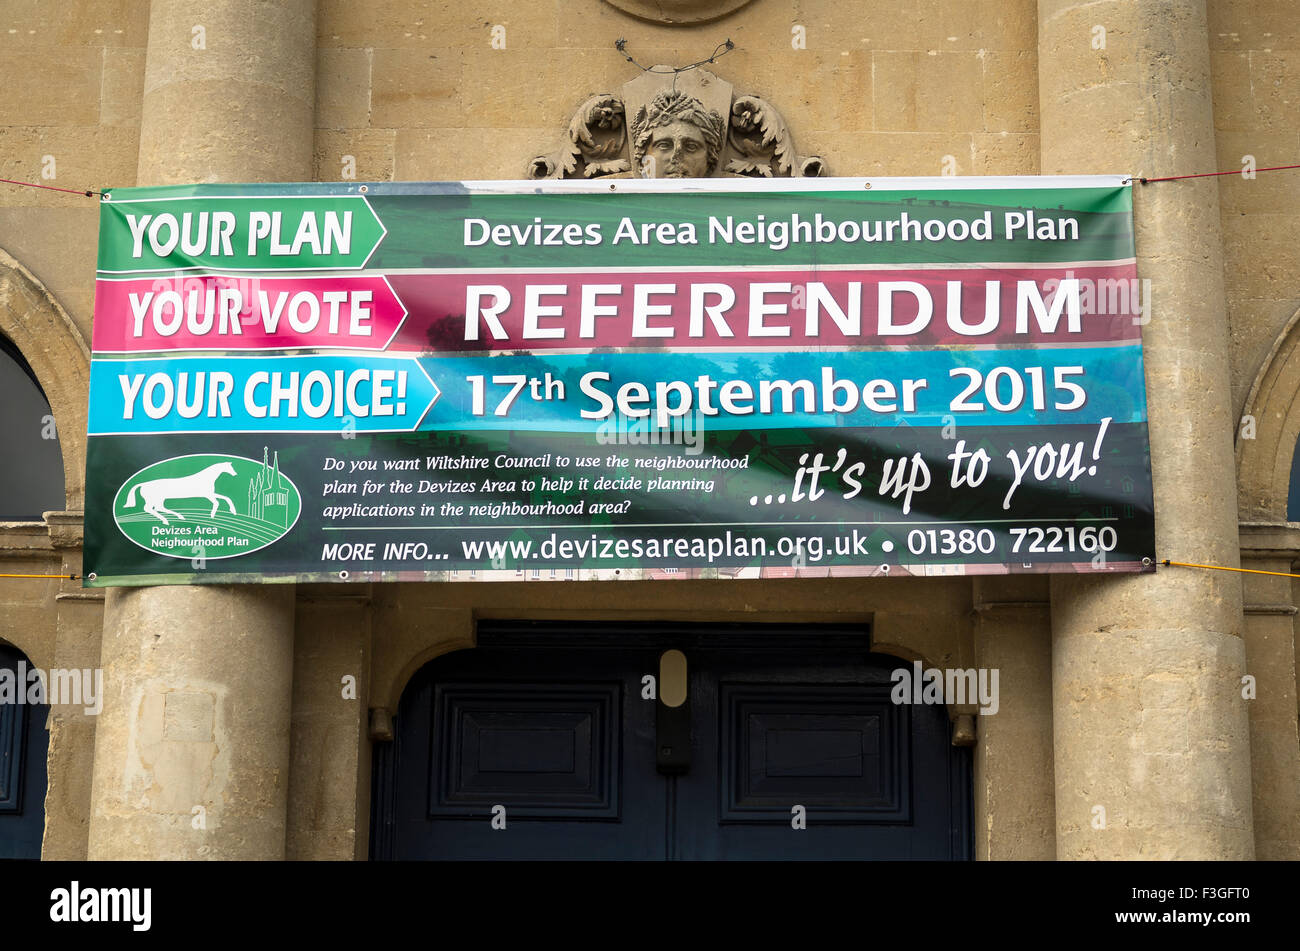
{"x":66,"y":529}
{"x":25,"y":540}
{"x":1269,"y":539}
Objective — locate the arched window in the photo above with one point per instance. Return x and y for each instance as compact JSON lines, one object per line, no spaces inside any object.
{"x":1293,"y":492}
{"x":31,"y":462}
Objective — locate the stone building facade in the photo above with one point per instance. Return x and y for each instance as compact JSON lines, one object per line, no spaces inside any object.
{"x":224,"y":733}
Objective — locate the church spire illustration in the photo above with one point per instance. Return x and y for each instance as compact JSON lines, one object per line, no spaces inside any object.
{"x":268,"y":497}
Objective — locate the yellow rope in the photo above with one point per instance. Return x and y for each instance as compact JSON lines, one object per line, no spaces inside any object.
{"x":64,"y":577}
{"x":1248,"y":571}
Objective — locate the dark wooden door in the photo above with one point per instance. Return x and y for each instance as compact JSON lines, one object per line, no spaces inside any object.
{"x":792,"y":750}
{"x":24,"y":744}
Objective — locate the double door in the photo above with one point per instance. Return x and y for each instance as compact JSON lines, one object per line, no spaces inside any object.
{"x":656,"y":743}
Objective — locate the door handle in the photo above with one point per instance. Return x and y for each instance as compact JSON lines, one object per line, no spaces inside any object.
{"x":673,"y":715}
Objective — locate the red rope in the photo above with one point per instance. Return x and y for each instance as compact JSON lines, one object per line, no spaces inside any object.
{"x":1174,"y":178}
{"x":1144,"y":181}
{"x":70,"y":191}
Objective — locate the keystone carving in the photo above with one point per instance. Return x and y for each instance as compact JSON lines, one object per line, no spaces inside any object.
{"x":689,"y":126}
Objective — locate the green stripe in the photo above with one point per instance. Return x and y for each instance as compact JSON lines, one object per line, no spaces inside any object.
{"x":428,"y":231}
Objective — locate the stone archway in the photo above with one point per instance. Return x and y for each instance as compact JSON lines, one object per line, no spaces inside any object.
{"x":398,"y":656}
{"x":1268,"y":430}
{"x":55,"y":350}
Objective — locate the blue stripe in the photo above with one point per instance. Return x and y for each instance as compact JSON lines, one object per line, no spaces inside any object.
{"x":1112,"y":380}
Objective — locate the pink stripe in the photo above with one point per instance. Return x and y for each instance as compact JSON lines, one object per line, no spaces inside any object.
{"x":438,"y":303}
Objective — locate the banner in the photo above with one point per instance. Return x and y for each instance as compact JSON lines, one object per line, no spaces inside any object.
{"x":717,"y":378}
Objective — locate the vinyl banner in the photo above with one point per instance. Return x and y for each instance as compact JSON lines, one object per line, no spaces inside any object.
{"x":718,"y":378}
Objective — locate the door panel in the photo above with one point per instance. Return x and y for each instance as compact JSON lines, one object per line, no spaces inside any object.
{"x":550,"y":723}
{"x":875,"y":779}
{"x":827,"y":748}
{"x":24,"y":745}
{"x":551,"y":735}
{"x":549,"y":750}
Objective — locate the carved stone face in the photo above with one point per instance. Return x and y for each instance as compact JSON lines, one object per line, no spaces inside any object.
{"x":679,"y":151}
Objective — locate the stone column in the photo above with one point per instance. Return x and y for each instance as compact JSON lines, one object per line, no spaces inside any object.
{"x":1152,"y":746}
{"x":1015,"y":797}
{"x":192,"y":747}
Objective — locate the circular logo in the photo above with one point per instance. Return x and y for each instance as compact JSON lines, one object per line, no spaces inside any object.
{"x":207,"y":506}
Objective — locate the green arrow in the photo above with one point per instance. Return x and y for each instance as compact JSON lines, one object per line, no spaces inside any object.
{"x":227,"y":233}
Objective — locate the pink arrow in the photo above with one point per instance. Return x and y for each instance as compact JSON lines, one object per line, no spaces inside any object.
{"x":217,"y":312}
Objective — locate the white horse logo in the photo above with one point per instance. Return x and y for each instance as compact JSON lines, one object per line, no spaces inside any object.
{"x":202,"y":485}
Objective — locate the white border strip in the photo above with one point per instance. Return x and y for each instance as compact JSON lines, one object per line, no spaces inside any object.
{"x":677,"y":185}
{"x":739,"y":185}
